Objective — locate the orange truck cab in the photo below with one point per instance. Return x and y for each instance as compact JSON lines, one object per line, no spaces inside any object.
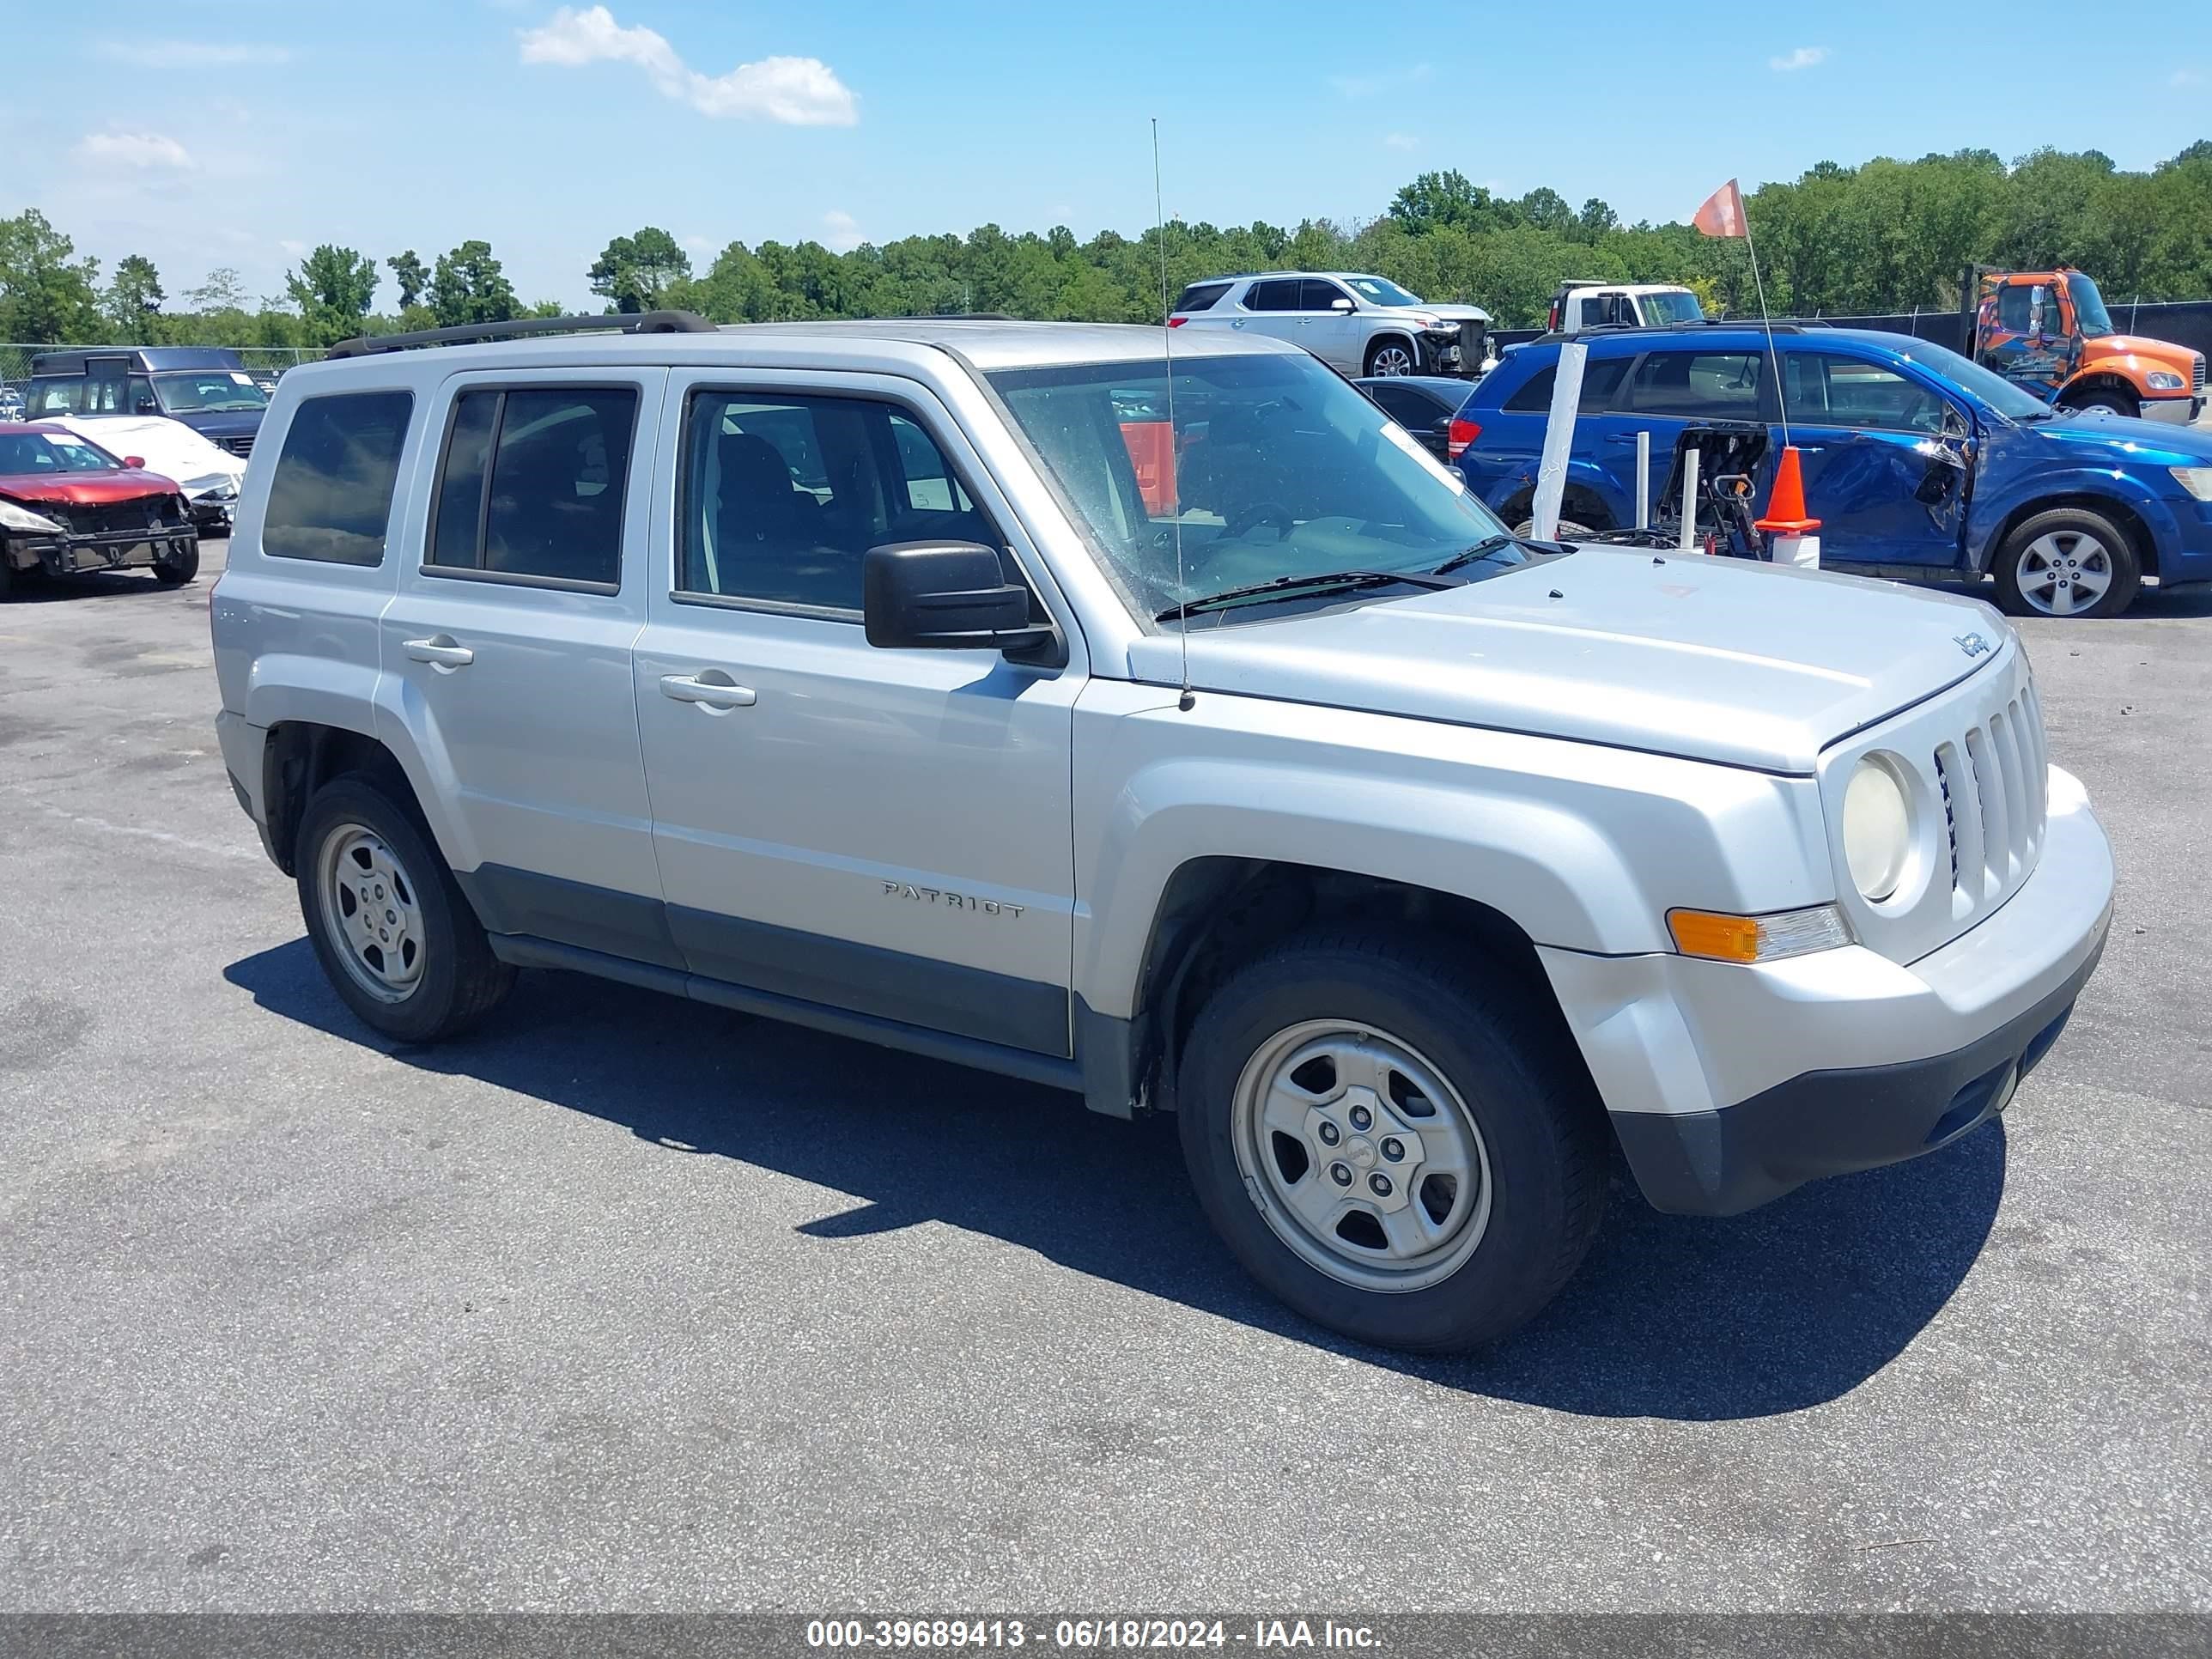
{"x":2049,"y":332}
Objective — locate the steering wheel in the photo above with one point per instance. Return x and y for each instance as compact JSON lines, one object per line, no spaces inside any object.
{"x":1259,"y":513}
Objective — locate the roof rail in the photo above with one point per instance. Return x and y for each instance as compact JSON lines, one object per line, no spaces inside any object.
{"x":634,"y":322}
{"x":1749,"y":326}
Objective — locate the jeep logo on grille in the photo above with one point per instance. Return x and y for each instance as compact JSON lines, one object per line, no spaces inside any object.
{"x":1973,"y":644}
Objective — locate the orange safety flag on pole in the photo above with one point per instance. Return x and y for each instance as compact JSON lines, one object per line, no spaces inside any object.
{"x":1722,"y":213}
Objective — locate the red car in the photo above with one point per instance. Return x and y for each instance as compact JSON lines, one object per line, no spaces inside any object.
{"x":67,"y":505}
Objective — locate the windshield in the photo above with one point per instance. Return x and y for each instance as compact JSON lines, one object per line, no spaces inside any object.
{"x":208,"y":390}
{"x":1275,"y":467}
{"x":2090,"y":313}
{"x":1379,"y":291}
{"x":1664,"y":310}
{"x":1991,"y":388}
{"x":22,"y":453}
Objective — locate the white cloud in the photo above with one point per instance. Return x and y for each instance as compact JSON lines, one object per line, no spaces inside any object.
{"x":133,"y":149}
{"x":1401,"y":141}
{"x":802,"y":92}
{"x":194,"y":54}
{"x":1803,"y":58}
{"x":1366,"y":86}
{"x":841,"y":231}
{"x":696,"y":244}
{"x":296,"y":249}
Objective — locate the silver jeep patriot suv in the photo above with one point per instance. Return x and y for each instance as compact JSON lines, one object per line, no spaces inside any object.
{"x":1167,"y":727}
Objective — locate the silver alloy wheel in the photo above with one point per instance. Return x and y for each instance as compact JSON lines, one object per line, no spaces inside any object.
{"x":2063,"y":572}
{"x":1392,"y":359}
{"x":369,"y":912}
{"x":1360,"y":1157}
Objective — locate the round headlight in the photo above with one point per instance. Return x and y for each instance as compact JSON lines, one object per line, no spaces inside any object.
{"x":1877,"y":830}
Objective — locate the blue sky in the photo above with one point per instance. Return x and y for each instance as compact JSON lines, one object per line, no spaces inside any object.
{"x":240,"y":132}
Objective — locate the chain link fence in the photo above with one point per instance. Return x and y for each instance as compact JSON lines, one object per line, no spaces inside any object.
{"x":16,"y":359}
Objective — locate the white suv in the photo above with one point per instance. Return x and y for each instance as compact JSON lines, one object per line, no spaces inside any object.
{"x":1360,"y":325}
{"x":927,"y":683}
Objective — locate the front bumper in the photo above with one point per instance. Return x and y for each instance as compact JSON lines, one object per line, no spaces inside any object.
{"x":107,"y":549}
{"x":2180,"y":411}
{"x":1730,"y":1085}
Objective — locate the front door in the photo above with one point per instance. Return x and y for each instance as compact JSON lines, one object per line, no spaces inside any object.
{"x":1885,"y":460}
{"x":1334,"y":330}
{"x":510,"y":638}
{"x":885,"y":832}
{"x":2039,"y":358}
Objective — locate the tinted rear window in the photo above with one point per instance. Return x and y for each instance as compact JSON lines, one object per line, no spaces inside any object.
{"x":1200,"y":297}
{"x":331,"y":499}
{"x":1601,"y":379}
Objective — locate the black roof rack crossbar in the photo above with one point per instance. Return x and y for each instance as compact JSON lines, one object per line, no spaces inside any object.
{"x":636,"y":322}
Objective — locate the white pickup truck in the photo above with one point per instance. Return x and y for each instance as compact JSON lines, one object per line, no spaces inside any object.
{"x":1578,"y":305}
{"x":952,"y":685}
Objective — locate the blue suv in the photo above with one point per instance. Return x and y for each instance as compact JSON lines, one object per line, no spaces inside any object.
{"x":1916,"y":462}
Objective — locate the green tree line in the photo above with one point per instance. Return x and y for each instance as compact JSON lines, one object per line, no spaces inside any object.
{"x":1884,"y":236}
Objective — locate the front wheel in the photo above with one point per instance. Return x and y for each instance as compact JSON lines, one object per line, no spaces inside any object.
{"x":1386,"y":1147}
{"x":2119,"y":403}
{"x":394,"y":933}
{"x":1391,"y":356}
{"x":2067,"y":563}
{"x":177,"y":566}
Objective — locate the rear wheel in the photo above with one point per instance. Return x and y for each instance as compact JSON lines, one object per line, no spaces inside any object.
{"x":2070,"y":562}
{"x":179,"y":565}
{"x":1392,"y":355}
{"x":394,"y":932}
{"x":1386,"y":1147}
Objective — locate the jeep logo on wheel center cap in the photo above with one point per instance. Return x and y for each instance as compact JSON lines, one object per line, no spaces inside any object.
{"x":1361,"y":1150}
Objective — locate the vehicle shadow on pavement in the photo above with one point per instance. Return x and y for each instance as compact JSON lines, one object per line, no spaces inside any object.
{"x":1699,"y":1320}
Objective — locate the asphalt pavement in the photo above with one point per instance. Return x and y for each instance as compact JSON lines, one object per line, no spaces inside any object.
{"x":629,"y":1302}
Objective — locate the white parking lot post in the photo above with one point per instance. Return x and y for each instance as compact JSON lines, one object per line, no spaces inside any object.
{"x":1559,"y":439}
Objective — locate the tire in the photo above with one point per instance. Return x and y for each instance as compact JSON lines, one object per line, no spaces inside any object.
{"x":449,"y":980}
{"x":174,"y":570}
{"x":2119,"y":403}
{"x":1518,"y":1115}
{"x":1569,"y":530}
{"x":1392,"y":354}
{"x":2104,"y":566}
{"x":8,"y":578}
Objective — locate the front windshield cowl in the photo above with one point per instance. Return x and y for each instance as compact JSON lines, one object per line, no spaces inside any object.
{"x":1274,"y":470}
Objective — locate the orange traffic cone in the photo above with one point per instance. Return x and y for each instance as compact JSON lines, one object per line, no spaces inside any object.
{"x":1785,"y":508}
{"x":1790,"y":538}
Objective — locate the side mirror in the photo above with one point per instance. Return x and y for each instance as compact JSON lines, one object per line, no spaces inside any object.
{"x":1341,"y":305}
{"x":2039,"y":308}
{"x":148,"y":406}
{"x":134,"y":462}
{"x":944,"y":596}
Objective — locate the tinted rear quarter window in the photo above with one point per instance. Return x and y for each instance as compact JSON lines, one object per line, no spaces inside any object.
{"x":1601,"y":378}
{"x":1701,"y":384}
{"x":331,"y":499}
{"x":1199,"y":296}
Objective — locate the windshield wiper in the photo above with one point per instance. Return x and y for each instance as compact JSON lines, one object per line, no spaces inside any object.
{"x":1490,"y":545}
{"x":1285,"y":587}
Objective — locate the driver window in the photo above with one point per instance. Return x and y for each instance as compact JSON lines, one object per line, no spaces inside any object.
{"x":1843,"y":392}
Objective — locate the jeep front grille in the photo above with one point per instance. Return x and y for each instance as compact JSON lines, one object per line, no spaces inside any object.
{"x":240,"y":445}
{"x":1991,"y":776}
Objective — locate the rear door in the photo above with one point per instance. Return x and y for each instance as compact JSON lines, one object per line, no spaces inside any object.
{"x":1272,"y":309}
{"x":884,"y":832}
{"x":511,"y":634}
{"x":1885,"y":459}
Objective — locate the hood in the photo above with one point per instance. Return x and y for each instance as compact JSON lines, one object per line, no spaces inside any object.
{"x":221,"y":423}
{"x":168,"y":447}
{"x":2146,"y":352}
{"x":84,"y":489}
{"x":1457,"y":313}
{"x":2117,"y":441}
{"x":1721,"y":660}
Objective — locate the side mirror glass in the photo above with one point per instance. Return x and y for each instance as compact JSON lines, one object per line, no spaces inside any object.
{"x":946,"y":596}
{"x":2039,"y":308}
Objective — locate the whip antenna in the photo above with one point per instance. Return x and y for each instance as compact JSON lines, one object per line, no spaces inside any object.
{"x":1171,"y":464}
